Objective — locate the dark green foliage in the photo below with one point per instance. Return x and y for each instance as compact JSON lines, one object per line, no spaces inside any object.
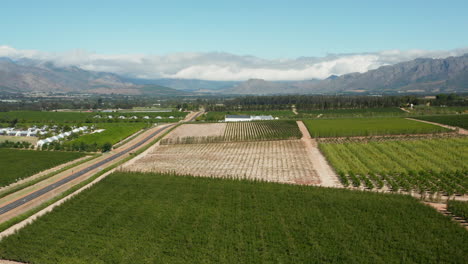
{"x":357,"y":112}
{"x":18,"y":164}
{"x":148,"y":218}
{"x":368,"y":127}
{"x":451,"y":120}
{"x":216,"y":116}
{"x":458,"y":208}
{"x":17,"y":144}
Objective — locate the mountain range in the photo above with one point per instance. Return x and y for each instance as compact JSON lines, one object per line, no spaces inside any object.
{"x":416,"y":76}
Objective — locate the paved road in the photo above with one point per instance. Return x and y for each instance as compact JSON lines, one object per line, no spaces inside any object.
{"x":55,"y":185}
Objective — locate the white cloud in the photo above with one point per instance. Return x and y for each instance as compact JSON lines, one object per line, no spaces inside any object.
{"x":225,"y":66}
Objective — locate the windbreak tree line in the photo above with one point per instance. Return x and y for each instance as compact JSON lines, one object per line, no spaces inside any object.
{"x":312,"y":102}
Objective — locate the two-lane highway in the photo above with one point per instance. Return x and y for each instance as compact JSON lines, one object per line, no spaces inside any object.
{"x":55,"y":185}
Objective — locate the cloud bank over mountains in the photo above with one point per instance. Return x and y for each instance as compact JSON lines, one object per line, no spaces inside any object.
{"x":225,"y":66}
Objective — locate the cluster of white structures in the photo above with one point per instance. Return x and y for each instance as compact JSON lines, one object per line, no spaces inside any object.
{"x":30,"y":132}
{"x":60,"y":136}
{"x":131,"y":117}
{"x":237,"y":118}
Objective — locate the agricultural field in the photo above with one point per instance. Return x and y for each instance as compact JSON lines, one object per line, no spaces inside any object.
{"x":458,"y":208}
{"x":19,"y":164}
{"x":154,"y":218}
{"x":352,"y":127}
{"x":234,"y":131}
{"x":38,"y":117}
{"x":112,"y":134}
{"x":164,"y":117}
{"x":43,"y":117}
{"x":432,"y":165}
{"x":438,"y":110}
{"x":268,"y":130}
{"x":360,"y":112}
{"x":216,"y":116}
{"x":284,"y":161}
{"x":198,"y":130}
{"x":451,"y":120}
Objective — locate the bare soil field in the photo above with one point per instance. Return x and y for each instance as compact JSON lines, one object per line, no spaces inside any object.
{"x":198,"y":130}
{"x":285,"y":161}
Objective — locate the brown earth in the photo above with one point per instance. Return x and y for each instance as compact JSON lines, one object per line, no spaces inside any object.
{"x":285,"y":161}
{"x":328,"y":177}
{"x":198,"y":130}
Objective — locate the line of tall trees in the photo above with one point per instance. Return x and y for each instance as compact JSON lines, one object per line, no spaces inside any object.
{"x":312,"y":102}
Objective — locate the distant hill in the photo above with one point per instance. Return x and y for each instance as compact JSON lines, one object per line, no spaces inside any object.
{"x":417,"y":76}
{"x":420,"y":75}
{"x":34,"y":76}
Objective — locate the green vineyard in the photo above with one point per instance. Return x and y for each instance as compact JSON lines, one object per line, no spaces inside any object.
{"x":19,"y":164}
{"x":246,"y":131}
{"x":353,"y":127}
{"x":437,"y":165}
{"x":269,"y":130}
{"x":451,"y":120}
{"x":458,"y":208}
{"x":155,"y":218}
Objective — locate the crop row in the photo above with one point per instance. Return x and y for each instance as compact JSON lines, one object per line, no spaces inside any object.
{"x":401,"y":164}
{"x":458,"y":208}
{"x":155,"y":218}
{"x":246,"y":131}
{"x":448,"y":182}
{"x":18,"y":164}
{"x":451,"y":120}
{"x":351,"y":127}
{"x":242,"y":131}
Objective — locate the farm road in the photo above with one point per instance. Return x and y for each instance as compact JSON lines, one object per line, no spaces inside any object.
{"x":328,"y":177}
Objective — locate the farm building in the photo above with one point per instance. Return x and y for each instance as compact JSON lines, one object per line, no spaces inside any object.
{"x":238,"y":118}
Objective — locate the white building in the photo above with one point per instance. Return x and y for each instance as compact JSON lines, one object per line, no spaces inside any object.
{"x":240,"y":118}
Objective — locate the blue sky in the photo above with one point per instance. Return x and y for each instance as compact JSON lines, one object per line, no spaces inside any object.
{"x":267,"y":29}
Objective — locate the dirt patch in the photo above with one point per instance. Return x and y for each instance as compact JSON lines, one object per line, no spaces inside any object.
{"x":285,"y":161}
{"x":328,"y":177}
{"x":198,"y":130}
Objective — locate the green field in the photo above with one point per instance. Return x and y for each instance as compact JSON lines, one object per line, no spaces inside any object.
{"x":215,"y":116}
{"x":458,"y":208}
{"x":38,"y":117}
{"x":352,"y":127}
{"x":360,"y":112}
{"x":112,"y":134}
{"x":262,"y":130}
{"x":19,"y":164}
{"x":151,"y":218}
{"x":424,"y":165}
{"x":438,"y":110}
{"x":43,"y":117}
{"x":451,"y":120}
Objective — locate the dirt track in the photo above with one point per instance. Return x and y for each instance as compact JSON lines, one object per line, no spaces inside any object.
{"x":327,"y":175}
